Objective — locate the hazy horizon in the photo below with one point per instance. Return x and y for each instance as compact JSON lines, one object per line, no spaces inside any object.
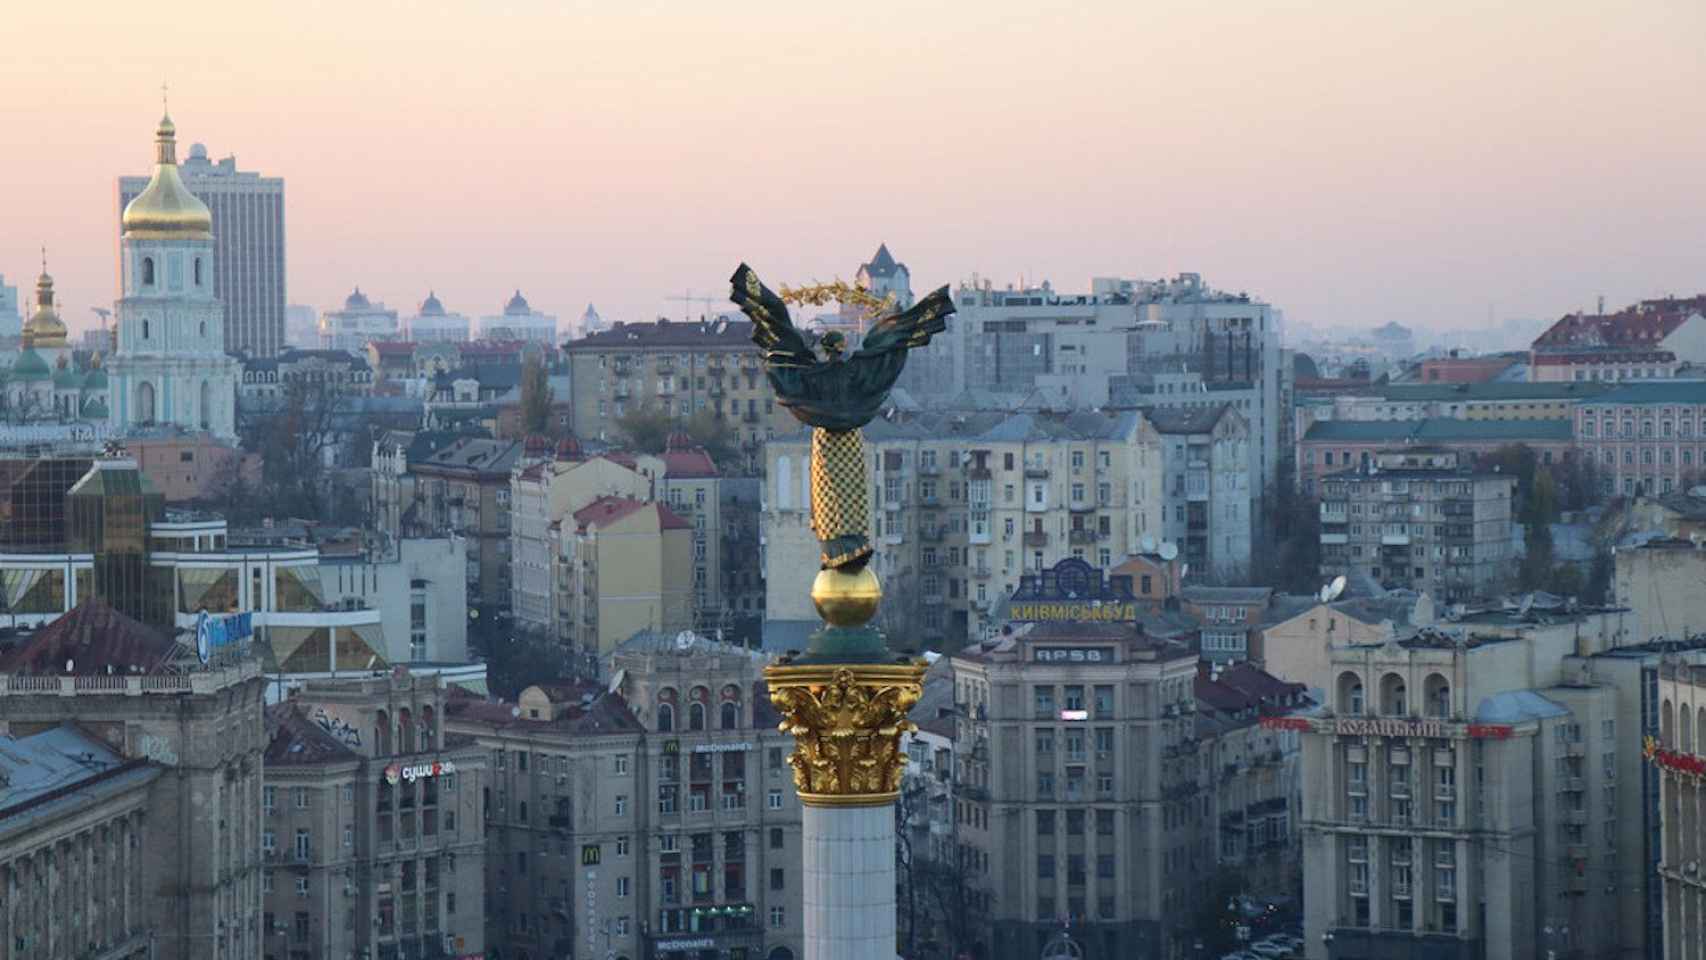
{"x":1348,"y":163}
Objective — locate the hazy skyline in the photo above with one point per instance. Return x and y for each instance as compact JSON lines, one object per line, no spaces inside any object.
{"x":1351,"y":163}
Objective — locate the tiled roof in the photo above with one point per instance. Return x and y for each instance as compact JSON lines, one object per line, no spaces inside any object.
{"x":1440,"y":430}
{"x":1494,"y":390}
{"x":883,"y":263}
{"x":607,"y":510}
{"x":1185,"y":419}
{"x":402,"y":348}
{"x":1628,"y":328}
{"x":609,"y":713}
{"x":486,"y":456}
{"x":92,"y":637}
{"x":1653,"y":391}
{"x":722,"y":333}
{"x":55,"y":762}
{"x":292,"y":738}
{"x":1244,"y":595}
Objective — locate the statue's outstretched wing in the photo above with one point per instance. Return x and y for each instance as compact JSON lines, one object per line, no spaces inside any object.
{"x":772,"y":330}
{"x":910,"y":328}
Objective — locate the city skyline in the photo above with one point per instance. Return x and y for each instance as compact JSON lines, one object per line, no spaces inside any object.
{"x":1518,"y":162}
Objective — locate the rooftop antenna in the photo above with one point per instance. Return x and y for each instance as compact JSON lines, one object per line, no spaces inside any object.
{"x":1335,"y":589}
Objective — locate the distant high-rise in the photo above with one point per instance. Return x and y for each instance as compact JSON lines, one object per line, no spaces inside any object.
{"x":248,"y":238}
{"x":11,"y":320}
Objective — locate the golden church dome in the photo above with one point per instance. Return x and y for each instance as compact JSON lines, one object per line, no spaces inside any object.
{"x":165,"y":209}
{"x":44,"y":328}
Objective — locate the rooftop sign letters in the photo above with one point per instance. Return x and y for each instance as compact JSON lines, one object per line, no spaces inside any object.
{"x":1390,"y":727}
{"x":1072,"y":654}
{"x":1073,"y":611}
{"x":1072,"y":591}
{"x":741,"y":747}
{"x":410,"y":772}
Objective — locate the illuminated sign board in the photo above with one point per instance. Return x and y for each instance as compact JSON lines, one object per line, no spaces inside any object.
{"x":692,"y":943}
{"x":1389,"y":727}
{"x":1072,"y":611}
{"x":591,"y":853}
{"x":1074,"y":714}
{"x":410,"y":772}
{"x":1287,"y":723}
{"x":1072,"y":654}
{"x":722,"y":747}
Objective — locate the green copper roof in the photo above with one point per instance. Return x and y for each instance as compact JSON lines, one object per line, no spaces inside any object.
{"x":1654,"y":391}
{"x":31,"y":366}
{"x":1439,"y":430}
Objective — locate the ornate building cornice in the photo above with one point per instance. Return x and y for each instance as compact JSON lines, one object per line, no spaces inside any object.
{"x":847,"y":721}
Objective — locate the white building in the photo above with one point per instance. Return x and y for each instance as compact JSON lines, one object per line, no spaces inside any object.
{"x":11,"y":320}
{"x":1205,"y":462}
{"x":432,"y":323}
{"x":360,"y":322}
{"x":170,"y":365}
{"x":590,"y":323}
{"x":432,"y":573}
{"x":248,"y":242}
{"x":520,"y":321}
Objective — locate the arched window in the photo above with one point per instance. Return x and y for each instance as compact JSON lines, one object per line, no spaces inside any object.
{"x":696,"y":716}
{"x":1667,"y":725}
{"x":1350,"y":694}
{"x":148,"y":271}
{"x":731,"y":715}
{"x":666,"y":718}
{"x":145,"y":403}
{"x":1438,"y":693}
{"x":201,"y":328}
{"x":521,"y":811}
{"x":198,"y":272}
{"x":382,"y":733}
{"x":206,"y":401}
{"x":1392,"y":699}
{"x":144,"y":329}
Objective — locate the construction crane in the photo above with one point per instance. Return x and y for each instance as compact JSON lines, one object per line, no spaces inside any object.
{"x":105,"y":315}
{"x":689,"y":298}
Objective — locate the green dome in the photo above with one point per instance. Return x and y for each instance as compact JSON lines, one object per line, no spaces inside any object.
{"x":95,"y":409}
{"x":30,"y":366}
{"x":96,"y":379}
{"x":68,"y":379}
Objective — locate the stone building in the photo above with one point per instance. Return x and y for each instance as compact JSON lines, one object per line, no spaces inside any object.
{"x":1419,"y":518}
{"x":358,"y":323}
{"x":1680,"y":760}
{"x":373,"y":840}
{"x":1449,"y":768}
{"x":650,"y":817}
{"x":963,"y":506}
{"x":620,"y":566}
{"x":198,"y":833}
{"x":1647,"y":438}
{"x":1078,"y":789}
{"x":72,"y":813}
{"x":679,"y":368}
{"x":463,"y":488}
{"x":1206,"y":489}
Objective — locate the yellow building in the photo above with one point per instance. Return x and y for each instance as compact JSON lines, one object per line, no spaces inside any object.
{"x":620,"y":566}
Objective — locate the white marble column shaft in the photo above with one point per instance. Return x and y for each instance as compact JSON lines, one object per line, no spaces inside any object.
{"x":849,"y":882}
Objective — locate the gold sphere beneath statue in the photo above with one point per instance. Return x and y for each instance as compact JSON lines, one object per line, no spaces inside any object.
{"x":846,"y":599}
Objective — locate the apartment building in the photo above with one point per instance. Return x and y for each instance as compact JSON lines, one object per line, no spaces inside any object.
{"x":680,"y":368}
{"x":71,"y":855}
{"x":193,"y":734}
{"x":1680,"y":761}
{"x":621,"y":566}
{"x":1251,"y":773}
{"x":1647,"y":438}
{"x":1464,"y":793}
{"x":1175,"y":341}
{"x":1646,"y":340}
{"x":1501,"y":400}
{"x":650,"y":817}
{"x":1331,"y":446}
{"x":1229,"y":616}
{"x":965,"y":505}
{"x":463,"y":489}
{"x":372,"y":836}
{"x":1419,"y":518}
{"x":1206,"y":472}
{"x":1078,"y":791}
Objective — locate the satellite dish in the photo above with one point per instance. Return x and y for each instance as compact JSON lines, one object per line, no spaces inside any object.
{"x":1335,"y":588}
{"x":1147,"y":544}
{"x":1169,"y":550}
{"x":684,"y":640}
{"x":515,"y":711}
{"x":1325,"y":593}
{"x":1526,"y":604}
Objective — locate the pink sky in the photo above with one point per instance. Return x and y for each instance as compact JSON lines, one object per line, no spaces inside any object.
{"x":1351,"y":162}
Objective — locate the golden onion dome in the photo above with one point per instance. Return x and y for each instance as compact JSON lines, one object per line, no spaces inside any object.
{"x":165,"y":209}
{"x":44,"y":328}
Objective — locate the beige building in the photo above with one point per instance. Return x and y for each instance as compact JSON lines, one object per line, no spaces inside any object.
{"x":1300,"y":648}
{"x":1467,"y":792}
{"x":544,"y":493}
{"x":72,"y":873}
{"x":1680,"y":759}
{"x":621,"y":566}
{"x":198,"y":833}
{"x":1419,"y":518}
{"x":372,"y":840}
{"x":1079,"y":798}
{"x":963,"y":506}
{"x":1660,"y":584}
{"x":680,"y":368}
{"x":651,"y":817}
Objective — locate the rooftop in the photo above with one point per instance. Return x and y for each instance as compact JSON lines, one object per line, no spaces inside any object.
{"x":93,"y":638}
{"x":1442,"y":430}
{"x":55,"y":762}
{"x":607,"y":713}
{"x":294,"y":739}
{"x":721,"y":333}
{"x":1175,"y":420}
{"x":1653,"y":392}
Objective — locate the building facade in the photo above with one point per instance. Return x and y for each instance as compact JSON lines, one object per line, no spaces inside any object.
{"x":1078,"y":793}
{"x":463,"y":489}
{"x":1419,"y":519}
{"x":196,"y":835}
{"x":1332,"y":446}
{"x":1206,"y":495}
{"x":621,"y":566}
{"x":1680,"y":760}
{"x":519,"y":321}
{"x":433,"y":324}
{"x":171,"y":365}
{"x":247,"y":213}
{"x":1647,"y":340}
{"x":373,"y":838}
{"x":360,"y":322}
{"x":1646,"y":438}
{"x":678,"y":368}
{"x":963,"y":506}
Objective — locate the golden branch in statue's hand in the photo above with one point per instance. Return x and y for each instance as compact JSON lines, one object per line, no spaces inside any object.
{"x":819,"y":294}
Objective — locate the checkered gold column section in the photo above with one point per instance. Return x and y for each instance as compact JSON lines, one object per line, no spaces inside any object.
{"x":840,"y":505}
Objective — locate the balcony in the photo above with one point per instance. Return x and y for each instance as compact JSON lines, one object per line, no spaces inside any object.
{"x":932,"y":534}
{"x":1083,"y":536}
{"x":1036,"y":471}
{"x":1081,"y":506}
{"x":1445,"y":791}
{"x":1035,"y":538}
{"x":1394,"y":539}
{"x":980,"y":573}
{"x":928,"y":469}
{"x":1571,"y":785}
{"x":933,"y":599}
{"x":1331,"y":538}
{"x":1576,"y":815}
